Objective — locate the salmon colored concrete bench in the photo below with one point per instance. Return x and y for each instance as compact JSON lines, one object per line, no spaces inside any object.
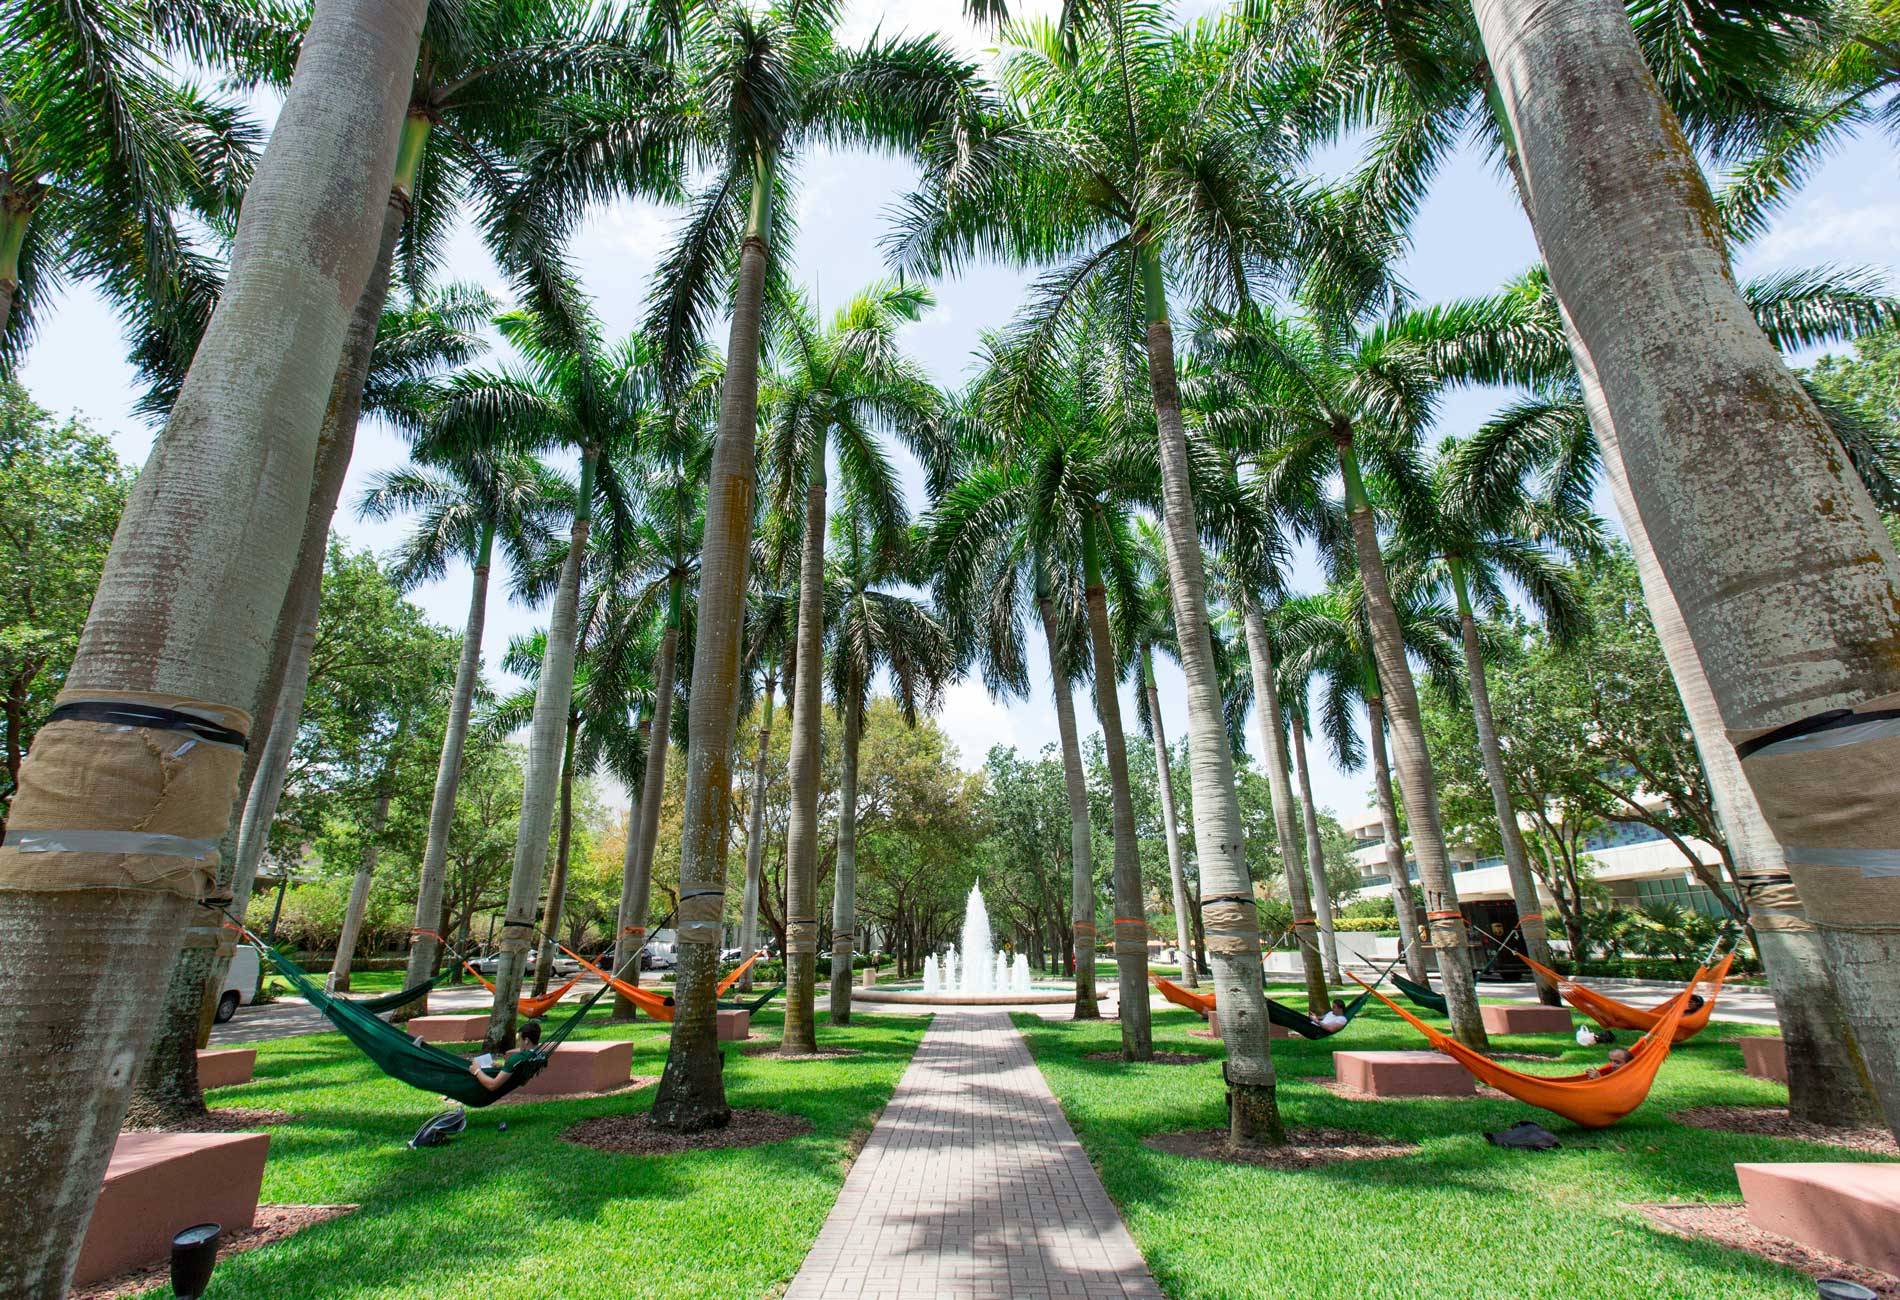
{"x":1851,"y":1211}
{"x":735,"y":1026}
{"x":1765,"y":1058}
{"x":449,"y":1029}
{"x":225,"y":1067}
{"x":1524,"y":1020}
{"x":159,"y":1184}
{"x":582,"y":1067}
{"x":1403,"y":1074}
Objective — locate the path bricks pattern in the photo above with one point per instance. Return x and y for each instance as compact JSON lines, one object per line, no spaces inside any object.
{"x":973,"y":1187}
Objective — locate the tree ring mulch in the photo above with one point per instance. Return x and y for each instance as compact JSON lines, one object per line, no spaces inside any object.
{"x":1775,"y":1121}
{"x":1525,"y":1056}
{"x":774,"y":1052}
{"x":634,"y":1084}
{"x":632,"y":1135}
{"x":1728,"y":1225}
{"x":1306,"y":1148}
{"x":219,"y":1119}
{"x":1159,"y":1058}
{"x":273,"y":1223}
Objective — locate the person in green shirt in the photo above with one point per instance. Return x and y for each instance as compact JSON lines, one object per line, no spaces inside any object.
{"x":530,"y":1045}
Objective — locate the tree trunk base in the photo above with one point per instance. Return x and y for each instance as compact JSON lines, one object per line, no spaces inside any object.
{"x":1089,"y":1010}
{"x":692,"y":1095}
{"x":1253,"y":1116}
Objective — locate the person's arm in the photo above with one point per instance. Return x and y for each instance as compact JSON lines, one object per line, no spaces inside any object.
{"x":492,"y":1082}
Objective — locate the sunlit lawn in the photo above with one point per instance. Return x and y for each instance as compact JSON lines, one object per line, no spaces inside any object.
{"x":1461,"y":1219}
{"x":521,"y":1214}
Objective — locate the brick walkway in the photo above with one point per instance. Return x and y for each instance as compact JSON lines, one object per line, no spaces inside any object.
{"x":973,"y":1185}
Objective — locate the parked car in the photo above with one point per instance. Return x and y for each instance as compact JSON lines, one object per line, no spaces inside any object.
{"x":563,"y":965}
{"x":240,"y":982}
{"x":656,"y":958}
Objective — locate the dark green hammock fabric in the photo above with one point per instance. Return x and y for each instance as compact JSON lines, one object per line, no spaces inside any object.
{"x":1422,"y":995}
{"x":756,"y":1003}
{"x":401,"y":997}
{"x":420,"y":1065}
{"x":1305,"y":1026}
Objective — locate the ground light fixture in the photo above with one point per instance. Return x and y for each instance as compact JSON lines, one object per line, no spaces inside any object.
{"x":1839,"y":1288}
{"x":194,"y":1255}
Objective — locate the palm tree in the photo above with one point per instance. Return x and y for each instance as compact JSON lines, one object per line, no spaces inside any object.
{"x":466,"y":506}
{"x":198,"y":569}
{"x":1120,"y":153}
{"x":871,"y":631}
{"x":841,"y":386}
{"x":768,"y":637}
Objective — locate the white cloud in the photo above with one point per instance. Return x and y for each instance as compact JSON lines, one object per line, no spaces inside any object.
{"x":1822,"y":227}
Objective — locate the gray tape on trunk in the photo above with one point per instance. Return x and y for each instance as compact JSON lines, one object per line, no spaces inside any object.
{"x":1870,"y":862}
{"x":130,"y":843}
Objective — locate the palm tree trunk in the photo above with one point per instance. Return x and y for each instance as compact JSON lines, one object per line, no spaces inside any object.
{"x":1266,"y":699}
{"x":1416,"y":781}
{"x":801,"y":867}
{"x":426,"y":950}
{"x":15,"y":215}
{"x":339,"y":981}
{"x":1227,"y":897}
{"x":1530,"y":908}
{"x":553,"y":698}
{"x":563,"y":846}
{"x":755,"y":840}
{"x":1081,"y":837}
{"x":632,"y":924}
{"x":692,"y":1092}
{"x":1409,"y":928}
{"x":194,"y":583}
{"x":1131,"y":922}
{"x":1787,"y":582}
{"x":1315,"y":858}
{"x":1170,"y":827}
{"x":637,"y":884}
{"x":844,"y":884}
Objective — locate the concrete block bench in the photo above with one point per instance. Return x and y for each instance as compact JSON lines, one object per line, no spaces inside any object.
{"x":1500,"y":1019}
{"x":734,"y":1026}
{"x":582,"y":1067}
{"x":159,"y":1184}
{"x":1851,"y":1211}
{"x":1403,"y":1074}
{"x":449,"y":1029}
{"x":1765,"y":1058}
{"x":225,"y":1067}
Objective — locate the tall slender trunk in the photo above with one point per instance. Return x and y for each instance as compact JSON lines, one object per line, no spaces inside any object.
{"x":1417,"y":784}
{"x":194,"y":583}
{"x":631,"y":926}
{"x":1081,"y":838}
{"x":637,"y":884}
{"x":1271,"y":720}
{"x":15,"y":215}
{"x":426,"y":951}
{"x":755,"y":839}
{"x":844,"y":883}
{"x":1315,"y":857}
{"x":352,"y":932}
{"x":563,"y":847}
{"x":1411,"y":931}
{"x":692,"y":1092}
{"x":1131,"y":922}
{"x":1227,"y":898}
{"x":1788,"y":585}
{"x":1170,"y":827}
{"x":1530,"y":908}
{"x":553,"y":698}
{"x":801,"y":866}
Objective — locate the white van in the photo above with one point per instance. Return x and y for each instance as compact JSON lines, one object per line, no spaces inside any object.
{"x":240,"y":982}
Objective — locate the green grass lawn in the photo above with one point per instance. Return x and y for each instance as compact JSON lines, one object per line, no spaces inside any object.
{"x":522,"y":1214}
{"x":1460,"y":1219}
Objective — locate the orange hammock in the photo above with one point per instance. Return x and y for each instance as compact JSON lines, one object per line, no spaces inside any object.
{"x":1201,"y":1002}
{"x":654,"y":1004}
{"x":733,"y":978}
{"x":1612,"y":1014}
{"x":532,"y":1008}
{"x":1592,"y":1103}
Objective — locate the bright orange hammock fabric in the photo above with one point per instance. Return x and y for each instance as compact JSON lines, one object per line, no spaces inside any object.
{"x":1592,"y":1103}
{"x":654,"y":1004}
{"x":744,"y":966}
{"x":532,"y":1008}
{"x":1612,"y":1014}
{"x":1201,"y":1002}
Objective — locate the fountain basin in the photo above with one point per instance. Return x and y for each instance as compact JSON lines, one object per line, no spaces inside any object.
{"x":1034,"y":997}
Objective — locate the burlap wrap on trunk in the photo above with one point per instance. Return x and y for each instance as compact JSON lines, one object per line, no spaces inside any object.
{"x":101,"y":779}
{"x":801,"y":936}
{"x":702,"y":907}
{"x":1232,"y":929}
{"x":1131,"y":938}
{"x":1833,"y":799}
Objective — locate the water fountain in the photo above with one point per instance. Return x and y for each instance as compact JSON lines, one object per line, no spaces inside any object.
{"x":972,"y":971}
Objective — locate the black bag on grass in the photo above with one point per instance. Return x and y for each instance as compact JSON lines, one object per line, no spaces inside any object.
{"x":1525,"y":1136}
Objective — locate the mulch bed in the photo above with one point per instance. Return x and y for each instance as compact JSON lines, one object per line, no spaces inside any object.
{"x":222,"y":1119}
{"x":1775,"y":1121}
{"x":632,"y":1135}
{"x":634,"y":1084}
{"x":773,"y":1051}
{"x":1525,"y":1056}
{"x":1728,"y":1225}
{"x":274,"y":1223}
{"x":1306,"y":1148}
{"x":1159,"y":1058}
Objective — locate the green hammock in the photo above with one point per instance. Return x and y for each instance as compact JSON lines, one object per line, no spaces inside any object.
{"x":1422,"y":995}
{"x":401,"y":997}
{"x":756,"y":1004}
{"x":1306,"y":1027}
{"x":420,"y":1065}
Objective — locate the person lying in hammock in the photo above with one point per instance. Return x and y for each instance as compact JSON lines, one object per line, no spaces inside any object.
{"x":1619,"y":1057}
{"x":530,"y":1043}
{"x":1335,"y":1017}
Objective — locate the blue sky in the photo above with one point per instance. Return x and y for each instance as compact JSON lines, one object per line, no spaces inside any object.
{"x":1469,"y":238}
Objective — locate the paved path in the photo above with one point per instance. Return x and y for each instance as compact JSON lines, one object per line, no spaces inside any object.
{"x":973,"y":1186}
